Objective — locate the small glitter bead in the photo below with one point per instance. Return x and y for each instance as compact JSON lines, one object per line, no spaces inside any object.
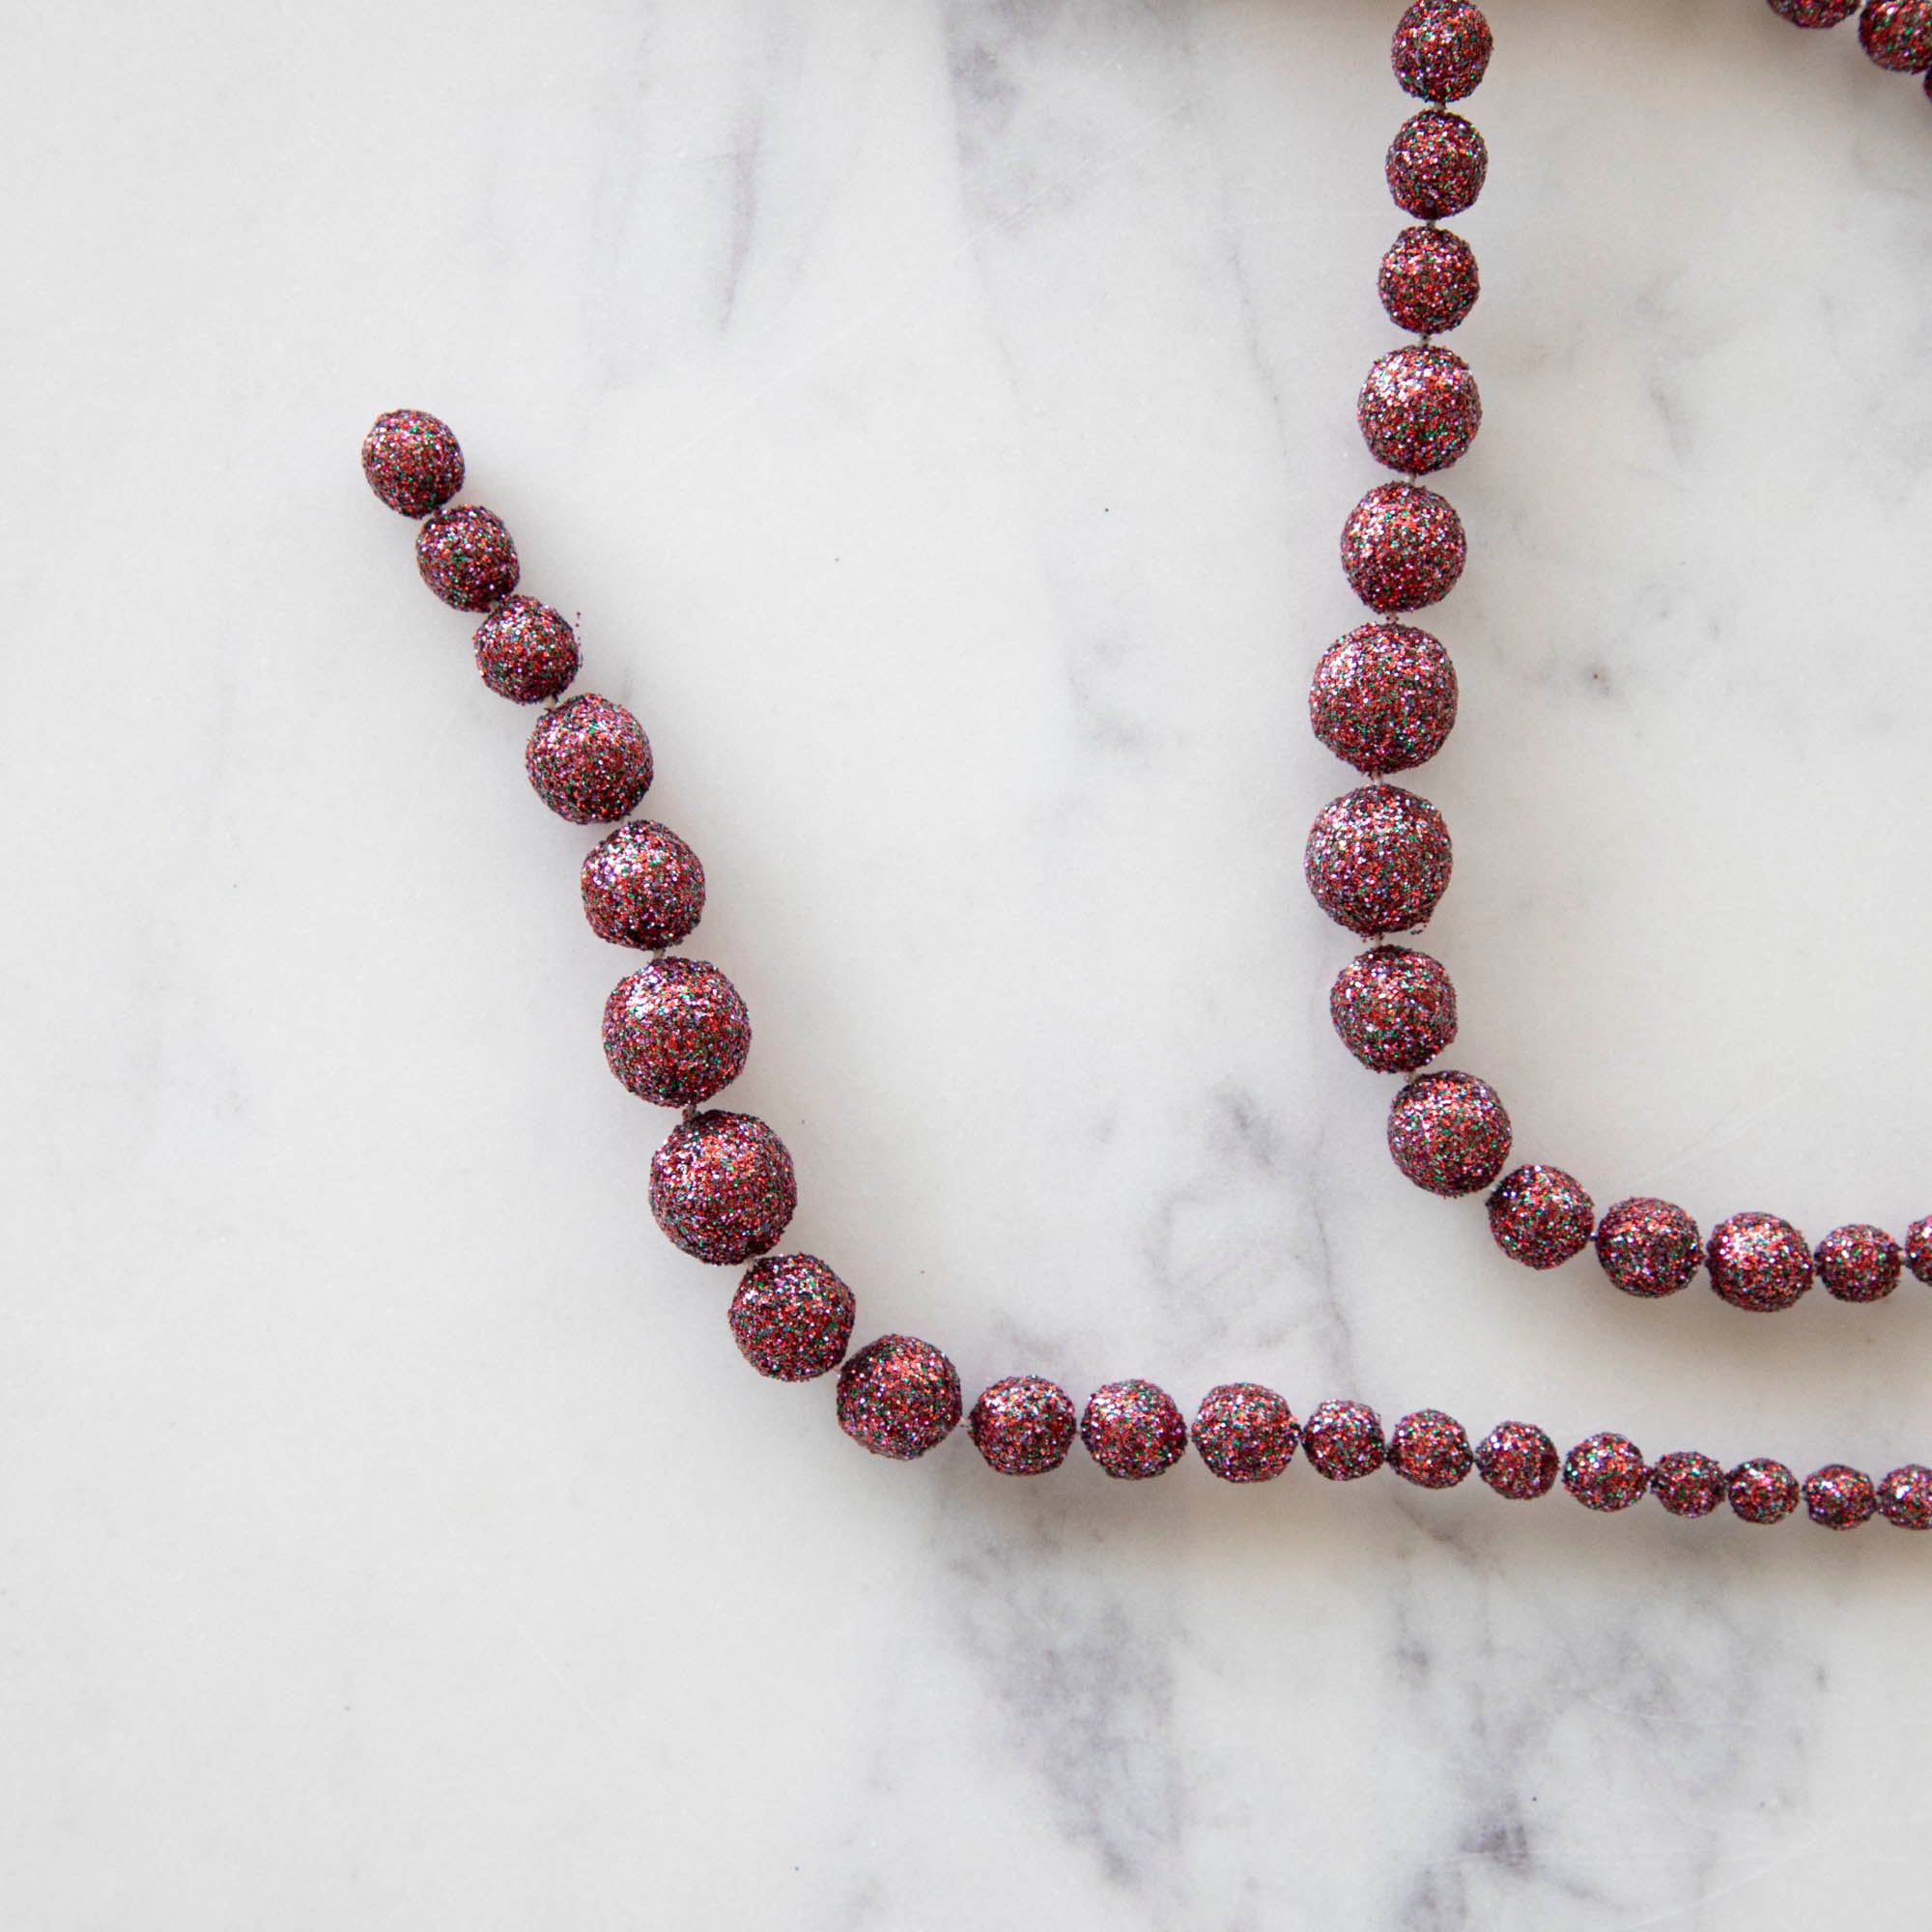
{"x":1344,"y":1440}
{"x":722,"y":1187}
{"x":1518,"y":1461}
{"x":1762,"y":1490}
{"x":525,"y":651}
{"x":898,"y":1397}
{"x":413,"y":463}
{"x":1905,"y":1495}
{"x":1428,"y":1449}
{"x":642,"y":886}
{"x":1648,"y":1247}
{"x":1419,"y":409}
{"x":1133,"y":1430}
{"x":1839,"y":1497}
{"x":1688,"y":1484}
{"x":466,"y":557}
{"x":1394,"y":1008}
{"x":1606,"y":1472}
{"x":1897,"y":34}
{"x":1441,"y":49}
{"x":1814,"y":13}
{"x":1540,"y":1216}
{"x":1378,"y":860}
{"x":791,"y":1317}
{"x":1383,"y":697}
{"x":1245,"y":1433}
{"x":1402,"y":546}
{"x":1023,"y":1426}
{"x":1858,"y":1262}
{"x":1758,"y":1262}
{"x":1449,"y":1134}
{"x":1429,"y":281}
{"x":1918,"y":1248}
{"x":675,"y":1032}
{"x":589,"y":760}
{"x":1436,"y":164}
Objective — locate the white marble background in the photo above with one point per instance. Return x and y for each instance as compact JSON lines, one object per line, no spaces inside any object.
{"x":941,"y":415}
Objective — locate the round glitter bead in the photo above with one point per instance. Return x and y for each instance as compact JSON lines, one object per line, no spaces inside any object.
{"x":1133,"y":1430}
{"x":1429,"y":281}
{"x":1839,"y":1497}
{"x":1606,"y":1472}
{"x":642,"y":886}
{"x":1762,"y":1490}
{"x":1648,"y":1247}
{"x":1436,"y":164}
{"x":1245,"y":1433}
{"x":898,"y":1397}
{"x":1394,"y":1008}
{"x":1023,"y":1426}
{"x":1383,"y":697}
{"x":588,"y":759}
{"x":1897,"y":34}
{"x":1518,"y":1461}
{"x":1918,"y":1248}
{"x":1858,"y":1262}
{"x":1449,"y":1133}
{"x":1688,"y":1484}
{"x":1402,"y":546}
{"x":675,"y":1032}
{"x":1378,"y":860}
{"x":525,"y":652}
{"x":1440,"y":51}
{"x":413,"y":463}
{"x":791,"y":1317}
{"x":1344,"y":1440}
{"x":722,"y":1187}
{"x":1905,"y":1497}
{"x":466,"y":557}
{"x":1814,"y":13}
{"x":1428,"y":1449}
{"x":1758,"y":1262}
{"x":1419,"y":408}
{"x":1540,"y":1216}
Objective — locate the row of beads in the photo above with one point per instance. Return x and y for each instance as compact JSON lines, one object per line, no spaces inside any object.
{"x":1897,"y":34}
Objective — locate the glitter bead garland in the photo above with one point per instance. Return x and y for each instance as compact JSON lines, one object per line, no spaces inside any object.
{"x":791,"y":1317}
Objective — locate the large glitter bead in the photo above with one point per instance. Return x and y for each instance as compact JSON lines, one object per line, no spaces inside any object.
{"x":1518,"y":1461}
{"x":1449,"y":1134}
{"x":1648,"y":1247}
{"x":1758,"y":1262}
{"x":1858,"y":1262}
{"x":589,"y":760}
{"x":1918,"y":1248}
{"x":1429,"y":281}
{"x":642,"y":886}
{"x":1394,"y":1008}
{"x":1687,"y":1483}
{"x":1133,"y":1430}
{"x":1419,"y":408}
{"x":1814,"y":13}
{"x":791,"y":1317}
{"x":722,"y":1187}
{"x":1905,"y":1497}
{"x":1436,"y":164}
{"x":1762,"y":1490}
{"x":1402,"y":546}
{"x":1378,"y":860}
{"x":466,"y":557}
{"x":1839,"y":1497}
{"x":1897,"y":34}
{"x":1023,"y":1426}
{"x":414,"y":462}
{"x":1430,"y":1449}
{"x":525,"y":651}
{"x":1540,"y":1216}
{"x":1344,"y":1440}
{"x":1383,"y":697}
{"x":1606,"y":1472}
{"x":1245,"y":1433}
{"x":675,"y":1032}
{"x":898,"y":1397}
{"x":1441,"y":49}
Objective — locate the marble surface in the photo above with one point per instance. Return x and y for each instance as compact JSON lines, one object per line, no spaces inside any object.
{"x":941,"y":415}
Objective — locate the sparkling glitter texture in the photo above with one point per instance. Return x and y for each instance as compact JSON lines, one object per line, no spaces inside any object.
{"x":413,"y":463}
{"x":1758,"y":1262}
{"x":898,"y":1397}
{"x":1402,"y":546}
{"x":1133,"y":1430}
{"x":675,"y":1032}
{"x":1540,"y":1216}
{"x":791,"y":1317}
{"x":1606,"y":1472}
{"x":1449,"y":1134}
{"x":1648,"y":1247}
{"x":1428,"y":1449}
{"x":1839,"y":1497}
{"x":1436,"y":165}
{"x":1383,"y":697}
{"x":1245,"y":1433}
{"x":1394,"y":1008}
{"x":1419,"y":408}
{"x":722,"y":1187}
{"x":1897,"y":34}
{"x":1518,"y":1461}
{"x":589,"y":760}
{"x":1918,"y":1248}
{"x":1858,"y":1262}
{"x":1429,"y":281}
{"x":1688,"y":1484}
{"x":1814,"y":13}
{"x":642,"y":886}
{"x":1023,"y":1426}
{"x":1905,"y":1495}
{"x":1441,"y":49}
{"x":525,"y":652}
{"x":1344,"y":1440}
{"x":466,"y":557}
{"x":1762,"y":1490}
{"x":1378,"y":860}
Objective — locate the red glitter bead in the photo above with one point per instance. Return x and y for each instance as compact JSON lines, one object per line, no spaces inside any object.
{"x":588,"y":759}
{"x":1133,"y":1430}
{"x":1839,"y":1497}
{"x":1518,"y":1461}
{"x":1419,"y":408}
{"x":466,"y":557}
{"x":1814,"y":13}
{"x":1023,"y":1426}
{"x":1428,"y":1449}
{"x":1858,"y":1262}
{"x":898,"y":1397}
{"x":413,"y":463}
{"x":1897,"y":34}
{"x":1383,"y":697}
{"x":1758,"y":1262}
{"x":642,"y":886}
{"x":1402,"y":546}
{"x":525,"y":652}
{"x":1436,"y":164}
{"x":1606,"y":1472}
{"x":1905,"y":1495}
{"x":675,"y":1032}
{"x":1762,"y":1490}
{"x":1688,"y":1484}
{"x":1449,"y":1134}
{"x":1245,"y":1433}
{"x":1918,"y":1248}
{"x":1540,"y":1216}
{"x":722,"y":1187}
{"x":1441,"y":49}
{"x":1648,"y":1247}
{"x":1395,"y":1008}
{"x":1429,"y":281}
{"x":1378,"y":860}
{"x":791,"y":1317}
{"x":1344,"y":1440}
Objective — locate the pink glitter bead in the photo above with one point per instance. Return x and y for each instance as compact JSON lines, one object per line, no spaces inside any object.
{"x":791,"y":1317}
{"x":525,"y":652}
{"x":1378,"y":860}
{"x":1918,"y":1248}
{"x":1429,"y":281}
{"x":1419,"y":409}
{"x":413,"y":463}
{"x":466,"y":557}
{"x":1344,"y":1440}
{"x":1606,"y":1472}
{"x":1394,"y":1008}
{"x":588,"y":759}
{"x":1648,"y":1247}
{"x":1436,"y":164}
{"x":1023,"y":1426}
{"x":1428,"y":1449}
{"x":1133,"y":1430}
{"x":1402,"y":546}
{"x":1758,"y":1262}
{"x":1858,"y":1262}
{"x":642,"y":886}
{"x":1441,"y":49}
{"x":1449,"y":1134}
{"x":1905,"y":1495}
{"x":1839,"y":1497}
{"x":1383,"y":697}
{"x":898,"y":1397}
{"x":1245,"y":1433}
{"x":1897,"y":34}
{"x":1762,"y":1490}
{"x":1814,"y":13}
{"x":675,"y":1032}
{"x":1540,"y":1216}
{"x":722,"y":1187}
{"x":1688,"y":1484}
{"x":1518,"y":1461}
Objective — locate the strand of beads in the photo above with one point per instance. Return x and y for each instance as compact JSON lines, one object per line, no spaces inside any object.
{"x":1896,"y":35}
